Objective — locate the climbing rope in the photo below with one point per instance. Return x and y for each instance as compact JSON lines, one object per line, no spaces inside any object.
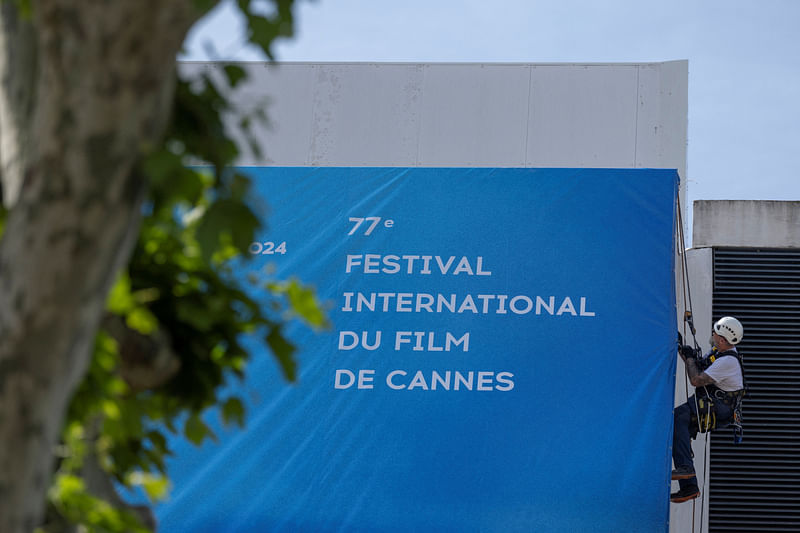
{"x":689,"y":321}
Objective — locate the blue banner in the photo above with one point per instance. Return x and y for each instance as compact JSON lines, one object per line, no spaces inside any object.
{"x":502,"y":357}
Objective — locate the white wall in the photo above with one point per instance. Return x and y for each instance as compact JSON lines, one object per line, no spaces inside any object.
{"x":469,"y":114}
{"x":700,"y":280}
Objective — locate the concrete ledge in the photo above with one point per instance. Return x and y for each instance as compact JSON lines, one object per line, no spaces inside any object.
{"x":746,"y":223}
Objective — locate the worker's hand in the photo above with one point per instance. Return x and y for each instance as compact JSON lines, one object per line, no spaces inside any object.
{"x":687,"y":352}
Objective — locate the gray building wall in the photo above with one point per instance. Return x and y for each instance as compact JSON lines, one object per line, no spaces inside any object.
{"x":746,"y":223}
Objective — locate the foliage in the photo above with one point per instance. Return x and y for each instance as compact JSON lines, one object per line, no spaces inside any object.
{"x":177,"y":316}
{"x":69,"y":496}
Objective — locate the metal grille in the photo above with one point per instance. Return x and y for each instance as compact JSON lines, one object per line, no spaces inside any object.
{"x":755,"y":486}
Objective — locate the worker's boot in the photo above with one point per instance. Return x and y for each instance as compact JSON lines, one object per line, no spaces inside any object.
{"x":683,"y":472}
{"x":685,"y":494}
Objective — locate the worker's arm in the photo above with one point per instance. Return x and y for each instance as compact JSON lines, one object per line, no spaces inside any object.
{"x":697,"y":378}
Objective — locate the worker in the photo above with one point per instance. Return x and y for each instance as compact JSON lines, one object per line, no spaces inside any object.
{"x":718,"y":378}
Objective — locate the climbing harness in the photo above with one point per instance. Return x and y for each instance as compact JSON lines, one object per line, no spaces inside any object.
{"x":731,"y":399}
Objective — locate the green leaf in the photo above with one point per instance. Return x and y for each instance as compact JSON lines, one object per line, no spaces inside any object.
{"x":111,"y":410}
{"x":235,"y":74}
{"x":233,"y":412}
{"x":204,"y":6}
{"x":246,"y":128}
{"x":155,"y":486}
{"x":159,"y":441}
{"x":284,"y":351}
{"x":120,"y":301}
{"x":240,"y":187}
{"x":196,"y":430}
{"x":171,"y":181}
{"x":194,"y":315}
{"x":68,"y":494}
{"x":161,"y":164}
{"x":226,"y":217}
{"x":106,"y":351}
{"x":304,"y":302}
{"x":142,"y":320}
{"x":262,"y":31}
{"x":68,"y":485}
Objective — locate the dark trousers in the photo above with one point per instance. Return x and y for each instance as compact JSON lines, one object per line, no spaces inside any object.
{"x":685,"y":429}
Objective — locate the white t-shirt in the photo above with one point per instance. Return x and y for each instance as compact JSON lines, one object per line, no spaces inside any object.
{"x":726,"y":373}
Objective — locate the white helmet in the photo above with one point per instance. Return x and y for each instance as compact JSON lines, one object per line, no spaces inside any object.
{"x":729,"y":328}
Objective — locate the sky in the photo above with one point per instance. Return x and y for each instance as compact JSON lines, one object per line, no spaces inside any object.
{"x":744,"y":62}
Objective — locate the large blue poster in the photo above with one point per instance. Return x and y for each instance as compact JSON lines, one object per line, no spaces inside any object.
{"x":502,"y":357}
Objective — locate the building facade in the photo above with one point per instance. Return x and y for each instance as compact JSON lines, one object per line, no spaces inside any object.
{"x":745,"y":262}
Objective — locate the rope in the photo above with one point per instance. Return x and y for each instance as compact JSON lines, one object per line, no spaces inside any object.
{"x":706,"y":472}
{"x":687,"y":289}
{"x":688,"y":319}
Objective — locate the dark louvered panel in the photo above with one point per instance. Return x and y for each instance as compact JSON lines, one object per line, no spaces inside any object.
{"x":755,"y":485}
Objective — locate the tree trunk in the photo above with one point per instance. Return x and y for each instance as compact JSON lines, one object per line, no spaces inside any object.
{"x":18,"y":71}
{"x":97,"y":95}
